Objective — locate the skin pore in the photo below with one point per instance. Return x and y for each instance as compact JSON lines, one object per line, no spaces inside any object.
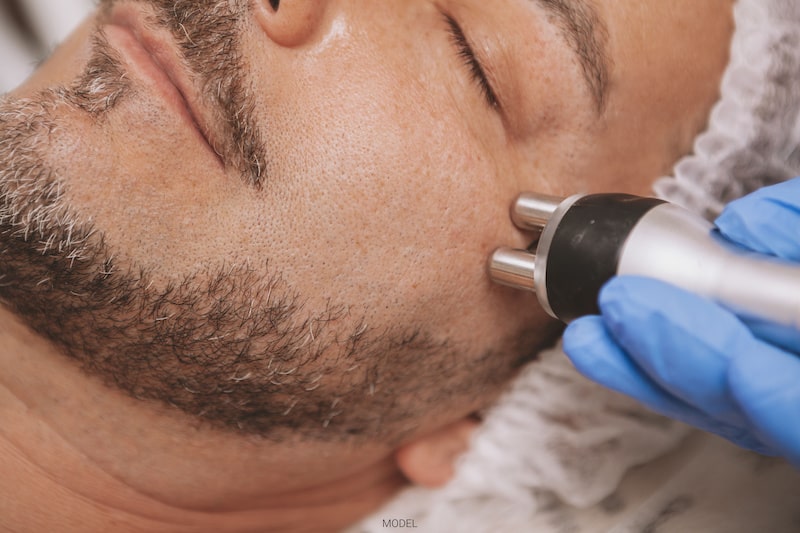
{"x":248,"y":246}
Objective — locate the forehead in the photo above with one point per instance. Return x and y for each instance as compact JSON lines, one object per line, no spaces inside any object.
{"x":663,"y":36}
{"x":666,"y":55}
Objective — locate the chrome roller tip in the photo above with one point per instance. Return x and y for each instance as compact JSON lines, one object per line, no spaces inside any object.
{"x":532,"y":212}
{"x":513,"y":268}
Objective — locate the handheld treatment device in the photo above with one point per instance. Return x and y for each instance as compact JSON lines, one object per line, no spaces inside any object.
{"x":585,"y":240}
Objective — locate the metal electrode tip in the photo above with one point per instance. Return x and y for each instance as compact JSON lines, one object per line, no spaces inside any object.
{"x":514,"y":268}
{"x":531,"y":211}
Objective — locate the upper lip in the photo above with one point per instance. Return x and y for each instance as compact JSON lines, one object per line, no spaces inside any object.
{"x":165,"y":57}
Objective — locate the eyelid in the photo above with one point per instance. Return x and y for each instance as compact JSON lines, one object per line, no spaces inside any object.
{"x":466,"y":52}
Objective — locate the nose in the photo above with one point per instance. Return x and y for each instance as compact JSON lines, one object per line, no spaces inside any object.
{"x":291,"y":23}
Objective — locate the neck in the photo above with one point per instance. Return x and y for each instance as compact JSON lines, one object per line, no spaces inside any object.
{"x":103,"y":461}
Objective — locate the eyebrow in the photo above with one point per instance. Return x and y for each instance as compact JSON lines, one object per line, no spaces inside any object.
{"x":587,"y":35}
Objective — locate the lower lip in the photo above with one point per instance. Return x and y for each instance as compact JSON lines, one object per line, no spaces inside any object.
{"x":141,"y":63}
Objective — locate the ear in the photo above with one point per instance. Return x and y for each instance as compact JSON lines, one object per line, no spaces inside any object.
{"x":429,"y":461}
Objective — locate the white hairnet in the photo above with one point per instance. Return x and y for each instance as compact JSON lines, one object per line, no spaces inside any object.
{"x":753,"y":137}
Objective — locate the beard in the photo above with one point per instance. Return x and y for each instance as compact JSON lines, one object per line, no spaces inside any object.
{"x":234,"y":347}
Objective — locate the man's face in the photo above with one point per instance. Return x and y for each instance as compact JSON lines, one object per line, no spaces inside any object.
{"x":281,"y":219}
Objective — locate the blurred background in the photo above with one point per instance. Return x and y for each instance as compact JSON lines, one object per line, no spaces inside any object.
{"x":30,"y":30}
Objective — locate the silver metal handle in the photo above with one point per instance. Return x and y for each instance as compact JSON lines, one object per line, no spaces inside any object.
{"x":675,"y":246}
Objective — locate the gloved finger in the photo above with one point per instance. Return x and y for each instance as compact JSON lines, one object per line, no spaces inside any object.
{"x":597,"y":356}
{"x":779,"y":335}
{"x":767,"y":387}
{"x":766,"y":221}
{"x":683,"y":342}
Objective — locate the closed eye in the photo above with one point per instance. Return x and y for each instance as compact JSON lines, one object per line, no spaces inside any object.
{"x":467,"y":54}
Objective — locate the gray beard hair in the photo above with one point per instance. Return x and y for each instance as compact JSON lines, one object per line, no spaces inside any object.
{"x":232,"y":347}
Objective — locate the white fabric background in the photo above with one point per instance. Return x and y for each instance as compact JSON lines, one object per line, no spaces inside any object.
{"x":52,"y":21}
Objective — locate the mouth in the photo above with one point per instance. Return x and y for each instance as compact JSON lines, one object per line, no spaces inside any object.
{"x":153,"y":56}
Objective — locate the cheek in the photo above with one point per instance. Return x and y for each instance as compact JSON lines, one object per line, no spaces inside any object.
{"x":378,"y":188}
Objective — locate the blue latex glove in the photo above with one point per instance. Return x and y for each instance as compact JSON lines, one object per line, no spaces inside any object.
{"x":688,"y":358}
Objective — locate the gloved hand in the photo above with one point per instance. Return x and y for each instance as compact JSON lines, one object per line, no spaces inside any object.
{"x":688,"y":358}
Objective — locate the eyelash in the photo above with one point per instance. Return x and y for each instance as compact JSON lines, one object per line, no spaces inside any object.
{"x":466,"y":53}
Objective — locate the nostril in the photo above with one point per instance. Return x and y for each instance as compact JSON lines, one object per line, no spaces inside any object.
{"x":296,"y":24}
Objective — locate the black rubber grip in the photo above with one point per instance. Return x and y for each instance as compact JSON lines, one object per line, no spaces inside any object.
{"x":585,"y":250}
